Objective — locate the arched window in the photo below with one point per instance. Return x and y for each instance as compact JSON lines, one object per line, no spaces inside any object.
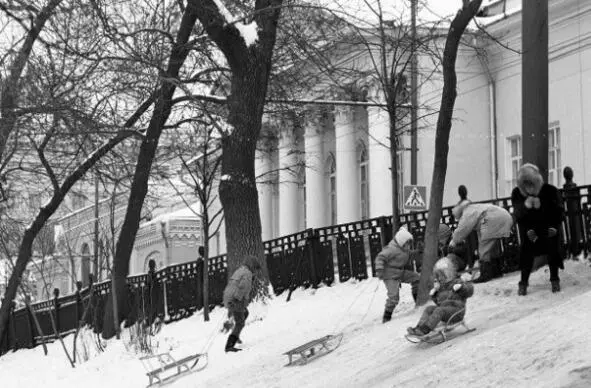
{"x":362,"y":160}
{"x":332,"y":187}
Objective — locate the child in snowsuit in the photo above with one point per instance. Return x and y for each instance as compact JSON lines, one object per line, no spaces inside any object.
{"x":237,"y":297}
{"x":449,"y":293}
{"x":390,"y":267}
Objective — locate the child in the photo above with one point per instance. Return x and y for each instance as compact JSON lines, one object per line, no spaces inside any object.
{"x":390,"y":267}
{"x":449,"y":294}
{"x":237,"y":297}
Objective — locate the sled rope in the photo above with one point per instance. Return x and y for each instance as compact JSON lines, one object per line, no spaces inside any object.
{"x":214,"y":334}
{"x":361,"y":292}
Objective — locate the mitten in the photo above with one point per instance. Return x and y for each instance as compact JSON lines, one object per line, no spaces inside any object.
{"x":531,"y":234}
{"x":466,"y":277}
{"x":457,"y":287}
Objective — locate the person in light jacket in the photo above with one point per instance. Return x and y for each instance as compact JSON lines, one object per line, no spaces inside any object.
{"x":392,"y":266}
{"x":491,"y":223}
{"x":237,"y":296}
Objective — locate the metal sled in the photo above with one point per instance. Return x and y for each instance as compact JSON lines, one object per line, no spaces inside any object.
{"x":440,"y":333}
{"x":314,"y":349}
{"x":163,"y":368}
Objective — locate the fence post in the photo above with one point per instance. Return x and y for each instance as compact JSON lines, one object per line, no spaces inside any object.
{"x":79,"y":306}
{"x":312,"y":242}
{"x":12,"y":326}
{"x":151,"y":281}
{"x":56,"y":306}
{"x":30,"y":321}
{"x":386,"y":230}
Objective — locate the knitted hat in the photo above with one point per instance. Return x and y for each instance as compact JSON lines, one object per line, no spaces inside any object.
{"x":402,"y":236}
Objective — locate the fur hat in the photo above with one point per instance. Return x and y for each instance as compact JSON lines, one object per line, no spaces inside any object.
{"x":402,"y":236}
{"x":446,"y":267}
{"x":529,"y":176}
{"x":458,"y":210}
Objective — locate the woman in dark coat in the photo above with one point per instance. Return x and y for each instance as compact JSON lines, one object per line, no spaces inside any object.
{"x":539,"y":212}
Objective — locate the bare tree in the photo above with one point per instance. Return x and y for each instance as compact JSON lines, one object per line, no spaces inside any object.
{"x":448,"y":97}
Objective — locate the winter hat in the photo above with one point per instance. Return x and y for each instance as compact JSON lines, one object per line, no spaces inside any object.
{"x":529,"y":176}
{"x":445,"y":266}
{"x":444,"y":233}
{"x":402,"y":236}
{"x":458,"y":210}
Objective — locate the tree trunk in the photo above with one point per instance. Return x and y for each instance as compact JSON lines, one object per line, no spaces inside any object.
{"x":448,"y":98}
{"x":139,"y":187}
{"x":394,"y":171}
{"x":251,"y":66}
{"x":205,"y":234}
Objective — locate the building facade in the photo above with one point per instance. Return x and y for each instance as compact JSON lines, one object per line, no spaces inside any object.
{"x":341,"y":158}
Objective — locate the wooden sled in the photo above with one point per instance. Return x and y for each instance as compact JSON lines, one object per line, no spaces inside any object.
{"x":313,"y":349}
{"x":441,"y":332}
{"x":168,"y":369}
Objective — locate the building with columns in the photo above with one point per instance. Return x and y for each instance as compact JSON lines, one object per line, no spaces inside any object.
{"x":334,"y":166}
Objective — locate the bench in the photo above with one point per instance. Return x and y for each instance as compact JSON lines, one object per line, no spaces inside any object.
{"x":313,"y":349}
{"x":167,"y":362}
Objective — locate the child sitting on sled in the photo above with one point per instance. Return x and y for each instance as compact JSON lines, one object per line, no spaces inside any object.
{"x":449,"y":293}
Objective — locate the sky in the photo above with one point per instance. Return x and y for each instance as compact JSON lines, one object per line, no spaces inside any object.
{"x":541,"y":340}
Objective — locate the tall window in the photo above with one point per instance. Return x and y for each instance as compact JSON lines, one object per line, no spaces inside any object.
{"x":515,"y":159}
{"x":363,"y":180}
{"x":554,"y":165}
{"x":332,"y":188}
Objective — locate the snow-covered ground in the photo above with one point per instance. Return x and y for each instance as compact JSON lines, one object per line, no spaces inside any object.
{"x":540,"y":340}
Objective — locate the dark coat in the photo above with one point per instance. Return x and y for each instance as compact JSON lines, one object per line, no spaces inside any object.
{"x":446,"y":296}
{"x":549,"y":215}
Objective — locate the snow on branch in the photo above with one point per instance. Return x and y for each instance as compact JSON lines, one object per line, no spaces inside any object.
{"x":248,"y":31}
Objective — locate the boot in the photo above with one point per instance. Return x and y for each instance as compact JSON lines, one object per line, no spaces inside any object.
{"x":555,"y":285}
{"x":522,"y":291}
{"x":230,"y":344}
{"x":387,"y":316}
{"x":419,"y":330}
{"x":486,"y":272}
{"x":498,"y":267}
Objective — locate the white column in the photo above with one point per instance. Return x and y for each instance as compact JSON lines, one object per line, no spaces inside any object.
{"x":265,"y":189}
{"x":288,"y":186}
{"x":380,"y":179}
{"x":348,"y":206}
{"x":315,"y":174}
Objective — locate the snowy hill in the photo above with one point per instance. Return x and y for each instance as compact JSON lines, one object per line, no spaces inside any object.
{"x":540,"y":340}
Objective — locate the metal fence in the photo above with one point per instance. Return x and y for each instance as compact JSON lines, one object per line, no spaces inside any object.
{"x":304,"y":259}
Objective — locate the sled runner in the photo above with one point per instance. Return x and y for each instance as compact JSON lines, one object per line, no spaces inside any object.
{"x":314,"y":349}
{"x":168,"y":369}
{"x":440,"y":333}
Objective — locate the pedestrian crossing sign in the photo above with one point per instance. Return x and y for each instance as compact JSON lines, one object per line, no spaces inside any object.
{"x":414,"y":197}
